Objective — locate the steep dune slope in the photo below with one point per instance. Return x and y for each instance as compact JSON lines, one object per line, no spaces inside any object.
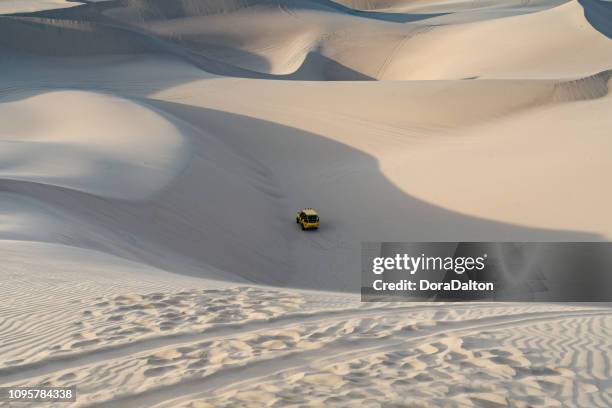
{"x":592,"y":87}
{"x":323,"y":40}
{"x":358,"y":163}
{"x":270,"y":37}
{"x":554,"y":43}
{"x":139,"y":186}
{"x":248,"y":168}
{"x":230,"y":208}
{"x":65,"y":38}
{"x":494,"y":6}
{"x":233,"y":158}
{"x":132,"y":156}
{"x":549,"y":162}
{"x":440,"y":42}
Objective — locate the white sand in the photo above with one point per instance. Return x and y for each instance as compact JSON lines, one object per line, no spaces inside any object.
{"x":151,"y":162}
{"x":27,"y":6}
{"x":91,"y":142}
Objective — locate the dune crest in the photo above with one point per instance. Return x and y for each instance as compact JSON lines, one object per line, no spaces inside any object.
{"x":324,"y":40}
{"x":109,"y":146}
{"x":593,"y":87}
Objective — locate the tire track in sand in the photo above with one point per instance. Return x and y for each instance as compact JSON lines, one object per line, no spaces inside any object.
{"x":254,"y":372}
{"x":70,"y":361}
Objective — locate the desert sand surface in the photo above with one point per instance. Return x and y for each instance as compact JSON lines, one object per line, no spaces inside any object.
{"x":153,"y":154}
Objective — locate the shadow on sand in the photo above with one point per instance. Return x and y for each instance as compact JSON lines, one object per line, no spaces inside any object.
{"x":63,"y":38}
{"x":183,"y":227}
{"x":176,"y":9}
{"x":599,"y":15}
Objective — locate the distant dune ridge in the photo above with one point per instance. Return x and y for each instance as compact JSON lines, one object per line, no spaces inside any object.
{"x":153,"y":154}
{"x":324,"y":40}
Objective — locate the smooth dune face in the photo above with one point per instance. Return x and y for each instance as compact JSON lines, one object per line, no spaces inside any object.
{"x":153,"y":154}
{"x":531,"y":51}
{"x":92,"y":143}
{"x":339,"y":41}
{"x":267,"y":147}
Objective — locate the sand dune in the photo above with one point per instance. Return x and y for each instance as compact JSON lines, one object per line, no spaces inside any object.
{"x":399,"y":143}
{"x":449,"y":52}
{"x":184,"y":219}
{"x":436,"y":46}
{"x":323,"y":40}
{"x":132,"y":157}
{"x":153,"y":154}
{"x":219,"y":152}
